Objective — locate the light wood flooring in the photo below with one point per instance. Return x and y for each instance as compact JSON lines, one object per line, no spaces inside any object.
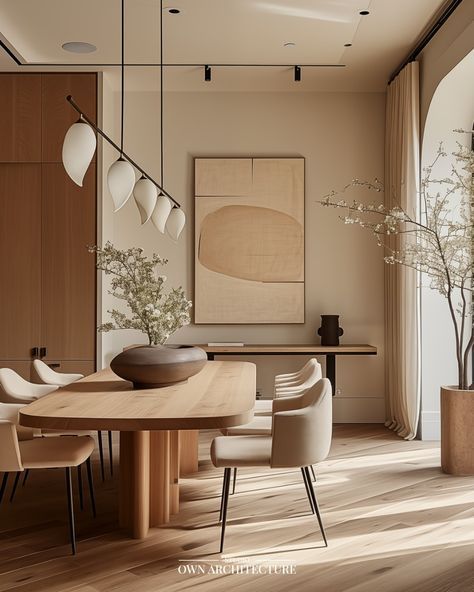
{"x":394,"y":523}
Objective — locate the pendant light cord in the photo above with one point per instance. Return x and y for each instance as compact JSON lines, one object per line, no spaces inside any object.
{"x":122,"y":106}
{"x":161,"y":96}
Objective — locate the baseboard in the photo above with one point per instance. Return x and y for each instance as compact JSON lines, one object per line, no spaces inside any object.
{"x":430,"y":425}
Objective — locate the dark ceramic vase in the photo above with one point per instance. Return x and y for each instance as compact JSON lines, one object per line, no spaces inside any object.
{"x":330,"y":330}
{"x":153,"y":366}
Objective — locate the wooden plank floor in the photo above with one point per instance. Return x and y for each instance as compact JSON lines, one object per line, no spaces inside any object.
{"x":394,"y":523}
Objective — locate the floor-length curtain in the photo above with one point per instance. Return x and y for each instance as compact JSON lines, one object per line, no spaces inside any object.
{"x":402,"y":172}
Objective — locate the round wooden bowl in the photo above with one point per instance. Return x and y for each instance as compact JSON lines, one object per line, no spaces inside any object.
{"x":154,"y":366}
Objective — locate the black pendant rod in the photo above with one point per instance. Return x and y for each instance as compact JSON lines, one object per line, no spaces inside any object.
{"x":161,"y":96}
{"x":122,"y":68}
{"x":114,"y":145}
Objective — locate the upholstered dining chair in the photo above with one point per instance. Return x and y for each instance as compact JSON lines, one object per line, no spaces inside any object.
{"x":301,"y":437}
{"x":261,"y":425}
{"x":45,"y":453}
{"x":50,"y":376}
{"x":15,"y":389}
{"x":285,"y":387}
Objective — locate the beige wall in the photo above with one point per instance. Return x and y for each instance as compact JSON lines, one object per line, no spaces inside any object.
{"x":341,"y":136}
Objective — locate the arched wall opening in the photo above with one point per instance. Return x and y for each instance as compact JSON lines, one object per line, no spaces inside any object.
{"x":452,"y":107}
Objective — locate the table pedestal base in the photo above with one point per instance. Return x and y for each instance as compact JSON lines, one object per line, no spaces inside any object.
{"x":149,"y":476}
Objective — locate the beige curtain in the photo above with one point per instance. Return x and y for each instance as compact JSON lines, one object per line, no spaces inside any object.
{"x":402,"y":173}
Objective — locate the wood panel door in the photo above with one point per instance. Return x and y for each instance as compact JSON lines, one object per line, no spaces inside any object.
{"x":57,"y":113}
{"x":20,"y":117}
{"x":69,"y":275}
{"x":20,"y":260}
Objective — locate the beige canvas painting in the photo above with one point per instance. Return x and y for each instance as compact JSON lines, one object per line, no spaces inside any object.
{"x":249,"y":233}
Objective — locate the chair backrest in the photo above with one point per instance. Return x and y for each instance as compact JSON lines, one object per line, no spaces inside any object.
{"x":10,"y":411}
{"x":14,"y":388}
{"x":309,"y":378}
{"x":10,"y":459}
{"x":302,"y":427}
{"x":281,"y":378}
{"x":50,"y":376}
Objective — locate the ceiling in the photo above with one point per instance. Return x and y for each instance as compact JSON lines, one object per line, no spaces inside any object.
{"x":222,"y":32}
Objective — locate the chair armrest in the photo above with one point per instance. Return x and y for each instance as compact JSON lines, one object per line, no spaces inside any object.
{"x":286,"y":403}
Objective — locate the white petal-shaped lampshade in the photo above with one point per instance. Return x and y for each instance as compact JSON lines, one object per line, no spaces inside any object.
{"x":120,"y":180}
{"x":78,"y":149}
{"x":145,"y":194}
{"x":161,"y":212}
{"x":175,"y":224}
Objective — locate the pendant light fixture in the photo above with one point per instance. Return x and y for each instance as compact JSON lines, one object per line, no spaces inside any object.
{"x":163,"y":205}
{"x":78,"y":150}
{"x":121,"y":176}
{"x":80,"y":144}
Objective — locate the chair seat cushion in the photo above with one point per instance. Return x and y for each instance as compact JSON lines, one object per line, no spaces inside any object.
{"x":260,"y":425}
{"x":241,"y":451}
{"x":263,"y":407}
{"x":49,"y":453}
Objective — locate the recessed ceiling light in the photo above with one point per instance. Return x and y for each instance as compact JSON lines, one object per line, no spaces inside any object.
{"x":289,"y":44}
{"x":174,"y":10}
{"x":79,"y":47}
{"x":347,"y":44}
{"x":364,"y":12}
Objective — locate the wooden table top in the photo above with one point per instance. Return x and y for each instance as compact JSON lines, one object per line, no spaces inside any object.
{"x":221,"y":395}
{"x":308,"y":348}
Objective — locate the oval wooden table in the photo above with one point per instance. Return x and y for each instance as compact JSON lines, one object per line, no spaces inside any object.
{"x":149,"y":420}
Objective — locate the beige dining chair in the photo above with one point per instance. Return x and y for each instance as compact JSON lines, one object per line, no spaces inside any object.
{"x":261,"y":425}
{"x":286,"y":385}
{"x":14,"y":389}
{"x":17,"y":456}
{"x":301,"y":437}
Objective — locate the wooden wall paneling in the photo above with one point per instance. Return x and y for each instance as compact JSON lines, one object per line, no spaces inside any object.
{"x":20,"y":260}
{"x":57,"y":113}
{"x":20,"y":117}
{"x":69,"y":278}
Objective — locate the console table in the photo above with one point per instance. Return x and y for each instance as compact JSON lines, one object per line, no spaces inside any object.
{"x":309,"y":349}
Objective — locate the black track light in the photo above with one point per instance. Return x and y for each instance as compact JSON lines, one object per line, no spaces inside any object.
{"x":297,"y":74}
{"x":207,"y":73}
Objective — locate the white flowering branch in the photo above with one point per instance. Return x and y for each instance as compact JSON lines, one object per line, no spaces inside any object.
{"x":134,"y":279}
{"x":439,"y":242}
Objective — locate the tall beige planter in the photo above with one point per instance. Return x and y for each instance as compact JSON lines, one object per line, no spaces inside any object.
{"x":457,"y":431}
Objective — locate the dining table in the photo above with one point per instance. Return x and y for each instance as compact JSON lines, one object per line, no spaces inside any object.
{"x":154,"y":424}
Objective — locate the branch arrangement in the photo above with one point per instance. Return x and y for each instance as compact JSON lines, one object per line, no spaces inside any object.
{"x":135,"y":280}
{"x":438,"y":241}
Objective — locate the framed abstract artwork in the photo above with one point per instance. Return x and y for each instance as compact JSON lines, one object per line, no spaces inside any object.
{"x":249,"y":240}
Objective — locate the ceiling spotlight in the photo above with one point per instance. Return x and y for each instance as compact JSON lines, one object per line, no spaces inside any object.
{"x":174,"y":10}
{"x":364,"y":12}
{"x":79,"y":47}
{"x":289,"y":44}
{"x":297,"y":74}
{"x":207,"y":73}
{"x":347,"y":44}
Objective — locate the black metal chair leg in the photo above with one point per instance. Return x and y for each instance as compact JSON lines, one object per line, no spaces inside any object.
{"x":15,"y":485}
{"x":70,"y":506}
{"x":315,"y":504}
{"x":307,"y":490}
{"x":313,"y":473}
{"x":25,"y":478}
{"x":79,"y":486}
{"x":234,"y":479}
{"x":224,"y":506}
{"x":4,"y":485}
{"x":101,"y":455}
{"x":222,"y":496}
{"x":91,"y":486}
{"x":111,"y":455}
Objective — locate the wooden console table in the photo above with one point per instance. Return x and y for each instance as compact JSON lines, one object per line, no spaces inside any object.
{"x":150,"y":422}
{"x":309,"y":349}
